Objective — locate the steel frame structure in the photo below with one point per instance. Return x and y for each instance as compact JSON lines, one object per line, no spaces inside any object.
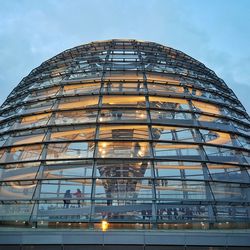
{"x":150,"y":136}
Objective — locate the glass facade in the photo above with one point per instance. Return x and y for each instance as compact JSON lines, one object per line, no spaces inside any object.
{"x":132,"y":132}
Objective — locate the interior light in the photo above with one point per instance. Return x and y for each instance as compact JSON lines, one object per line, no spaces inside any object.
{"x":105,"y":225}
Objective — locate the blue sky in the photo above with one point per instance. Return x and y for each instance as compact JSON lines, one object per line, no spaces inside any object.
{"x":215,"y":32}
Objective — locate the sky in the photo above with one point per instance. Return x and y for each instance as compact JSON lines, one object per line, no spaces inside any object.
{"x":215,"y":32}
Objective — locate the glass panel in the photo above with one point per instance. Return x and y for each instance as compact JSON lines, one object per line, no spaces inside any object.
{"x":223,"y":172}
{"x":88,"y":74}
{"x":3,"y":139}
{"x":73,"y":169}
{"x":125,"y":75}
{"x":170,"y":149}
{"x":124,"y":101}
{"x":85,"y":88}
{"x":172,"y":133}
{"x":55,"y":210}
{"x":50,"y":92}
{"x":232,"y":213}
{"x":34,"y":120}
{"x":87,"y":133}
{"x":117,"y":189}
{"x":130,"y":169}
{"x":116,"y":115}
{"x":47,"y":82}
{"x":70,"y":150}
{"x":38,"y":106}
{"x":180,"y":213}
{"x":223,"y":154}
{"x":2,"y":155}
{"x":207,"y":118}
{"x":123,"y":149}
{"x":215,"y":137}
{"x":20,"y":171}
{"x":17,"y":190}
{"x":168,"y":103}
{"x":206,"y":108}
{"x":163,"y":116}
{"x":241,"y":128}
{"x":4,"y":127}
{"x":122,"y":210}
{"x":163,"y":88}
{"x":110,"y":87}
{"x":69,"y":190}
{"x":79,"y":102}
{"x":243,"y":141}
{"x":229,"y":191}
{"x":15,"y":211}
{"x":71,"y":117}
{"x":179,"y":190}
{"x":124,"y":132}
{"x":161,"y":78}
{"x":27,"y":139}
{"x":24,"y":153}
{"x":179,"y":170}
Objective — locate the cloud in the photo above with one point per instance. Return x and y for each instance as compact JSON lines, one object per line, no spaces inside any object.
{"x":214,"y":32}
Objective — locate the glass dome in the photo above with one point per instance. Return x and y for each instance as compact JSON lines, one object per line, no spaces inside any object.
{"x":134,"y":133}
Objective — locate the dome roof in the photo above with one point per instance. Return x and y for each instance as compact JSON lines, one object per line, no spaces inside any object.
{"x":132,"y":132}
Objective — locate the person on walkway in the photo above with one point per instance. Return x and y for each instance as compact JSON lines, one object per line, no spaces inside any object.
{"x":78,"y":195}
{"x":67,"y":197}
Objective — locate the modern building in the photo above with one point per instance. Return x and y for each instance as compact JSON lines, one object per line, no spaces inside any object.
{"x":129,"y":135}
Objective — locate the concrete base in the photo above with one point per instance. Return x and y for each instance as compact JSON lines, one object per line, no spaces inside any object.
{"x":123,"y":239}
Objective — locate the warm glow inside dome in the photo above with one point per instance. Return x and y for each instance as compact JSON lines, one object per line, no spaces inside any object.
{"x":127,"y":132}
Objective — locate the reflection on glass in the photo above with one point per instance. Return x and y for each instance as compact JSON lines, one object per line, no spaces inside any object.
{"x":179,"y":170}
{"x":50,"y":92}
{"x":128,"y":169}
{"x":119,"y":189}
{"x":38,"y":106}
{"x":122,"y":210}
{"x":216,"y":137}
{"x":168,"y":103}
{"x":27,"y":139}
{"x":20,"y":171}
{"x":34,"y":120}
{"x":229,"y":191}
{"x":24,"y":153}
{"x":222,"y":154}
{"x":71,"y":117}
{"x":128,"y":101}
{"x":124,"y":149}
{"x":16,"y":211}
{"x":162,"y":116}
{"x":87,"y":133}
{"x":79,"y":102}
{"x":70,"y":150}
{"x":161,"y":78}
{"x":179,"y":190}
{"x":66,"y":189}
{"x":73,"y":169}
{"x":17,"y":190}
{"x":181,"y":213}
{"x":55,"y":210}
{"x":163,"y":88}
{"x":124,"y":132}
{"x":173,"y":133}
{"x":126,"y":75}
{"x":170,"y":149}
{"x":85,"y":88}
{"x":116,"y":115}
{"x":223,"y":172}
{"x":110,"y":87}
{"x":206,"y":107}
